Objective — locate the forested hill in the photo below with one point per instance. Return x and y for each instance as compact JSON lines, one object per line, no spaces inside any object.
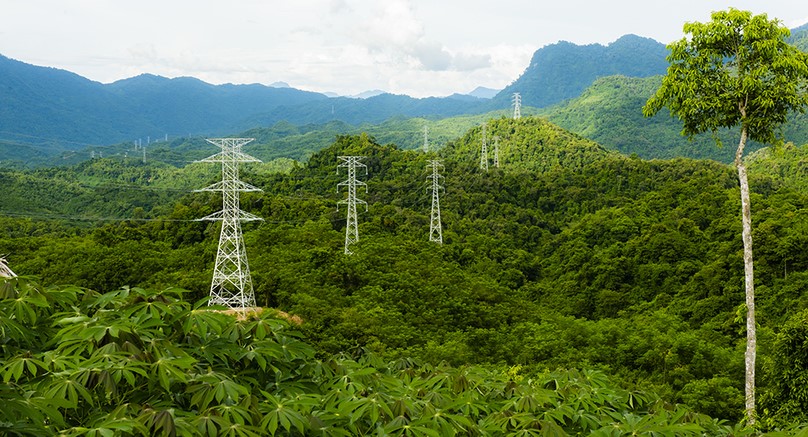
{"x":567,"y":255}
{"x":563,"y":70}
{"x":610,"y":112}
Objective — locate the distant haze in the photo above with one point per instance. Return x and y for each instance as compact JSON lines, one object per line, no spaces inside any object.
{"x":414,"y":47}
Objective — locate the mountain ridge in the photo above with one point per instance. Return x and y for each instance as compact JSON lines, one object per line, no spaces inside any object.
{"x":563,"y":70}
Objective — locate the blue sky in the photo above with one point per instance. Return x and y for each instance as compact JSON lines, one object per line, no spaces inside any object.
{"x":415,"y":47}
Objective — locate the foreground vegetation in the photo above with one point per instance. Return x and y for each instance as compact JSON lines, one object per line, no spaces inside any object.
{"x":143,"y":362}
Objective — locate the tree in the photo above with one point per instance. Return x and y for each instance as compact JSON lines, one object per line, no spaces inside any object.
{"x":735,"y":69}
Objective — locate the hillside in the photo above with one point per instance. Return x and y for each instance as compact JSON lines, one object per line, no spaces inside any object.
{"x":282,"y":140}
{"x":47,"y":106}
{"x":372,"y":110}
{"x":610,"y":113}
{"x":563,"y":70}
{"x":567,"y":256}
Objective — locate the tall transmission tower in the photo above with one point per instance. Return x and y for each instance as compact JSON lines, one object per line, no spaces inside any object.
{"x":232,"y":284}
{"x":496,"y":151}
{"x":352,"y":227}
{"x":426,"y":139}
{"x":435,"y":229}
{"x":5,"y":271}
{"x":517,"y":106}
{"x":484,"y":152}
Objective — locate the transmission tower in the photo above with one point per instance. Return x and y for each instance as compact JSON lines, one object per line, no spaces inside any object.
{"x":435,"y":229}
{"x":496,"y":151}
{"x":484,"y":152}
{"x":232,"y":284}
{"x":5,"y":271}
{"x":351,"y":228}
{"x":517,"y":106}
{"x":426,"y":139}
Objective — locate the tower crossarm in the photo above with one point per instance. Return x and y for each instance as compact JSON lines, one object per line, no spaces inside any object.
{"x":243,"y":216}
{"x":229,"y":157}
{"x":230,"y":186}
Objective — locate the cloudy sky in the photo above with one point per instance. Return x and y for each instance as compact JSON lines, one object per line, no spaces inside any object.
{"x":415,"y":47}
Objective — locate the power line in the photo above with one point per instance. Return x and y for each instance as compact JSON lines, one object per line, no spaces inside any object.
{"x":59,"y":217}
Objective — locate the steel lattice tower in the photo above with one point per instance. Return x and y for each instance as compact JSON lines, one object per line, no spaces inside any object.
{"x":5,"y":271}
{"x":484,"y":152}
{"x":517,"y":106}
{"x":496,"y":151}
{"x":351,"y":227}
{"x":232,"y":284}
{"x":435,"y":229}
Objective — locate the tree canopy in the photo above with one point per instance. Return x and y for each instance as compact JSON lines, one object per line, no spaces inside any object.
{"x":735,"y":69}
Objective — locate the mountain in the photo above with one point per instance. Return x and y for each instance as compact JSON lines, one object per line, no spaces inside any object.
{"x":374,"y":110}
{"x":187,"y":105}
{"x":799,"y":37}
{"x":62,"y":110}
{"x":368,"y":94}
{"x":563,"y":70}
{"x":51,"y":107}
{"x":483,"y":92}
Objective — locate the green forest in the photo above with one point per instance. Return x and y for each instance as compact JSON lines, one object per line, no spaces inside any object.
{"x":577,"y":291}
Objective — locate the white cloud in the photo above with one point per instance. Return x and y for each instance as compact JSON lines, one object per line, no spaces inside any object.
{"x":417,"y":47}
{"x":471,"y":61}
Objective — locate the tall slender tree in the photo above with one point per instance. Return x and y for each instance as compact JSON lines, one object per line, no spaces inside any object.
{"x":735,"y":70}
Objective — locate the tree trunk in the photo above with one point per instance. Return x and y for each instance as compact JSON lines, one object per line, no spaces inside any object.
{"x":751,"y":338}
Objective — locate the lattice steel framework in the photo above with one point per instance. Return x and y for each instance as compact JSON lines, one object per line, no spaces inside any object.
{"x":496,"y":151}
{"x":435,"y":228}
{"x":517,"y":106}
{"x":232,"y":284}
{"x":484,"y":152}
{"x":351,"y":227}
{"x":5,"y":271}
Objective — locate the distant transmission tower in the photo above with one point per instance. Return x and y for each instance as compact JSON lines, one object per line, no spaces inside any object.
{"x":435,"y":229}
{"x":496,"y":151}
{"x":426,"y":139}
{"x":484,"y":152}
{"x":351,"y":228}
{"x":517,"y":106}
{"x":232,"y":284}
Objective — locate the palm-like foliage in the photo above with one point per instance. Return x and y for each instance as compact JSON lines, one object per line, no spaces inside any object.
{"x":142,"y":362}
